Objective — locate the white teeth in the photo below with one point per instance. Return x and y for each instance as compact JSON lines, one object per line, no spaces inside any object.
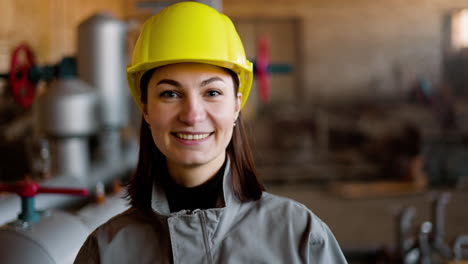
{"x":192,"y":136}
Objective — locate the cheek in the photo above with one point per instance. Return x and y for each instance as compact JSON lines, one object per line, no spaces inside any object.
{"x":157,"y":120}
{"x":157,"y":129}
{"x":224,"y":118}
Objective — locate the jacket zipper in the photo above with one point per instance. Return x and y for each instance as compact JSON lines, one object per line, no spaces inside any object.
{"x":205,"y":237}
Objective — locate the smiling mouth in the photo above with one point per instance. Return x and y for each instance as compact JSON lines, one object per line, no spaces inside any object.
{"x":192,"y":136}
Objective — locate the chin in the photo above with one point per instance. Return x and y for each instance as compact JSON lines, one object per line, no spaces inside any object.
{"x":191,"y":161}
{"x":195,"y":160}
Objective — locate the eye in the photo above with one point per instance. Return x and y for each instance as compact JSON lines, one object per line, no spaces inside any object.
{"x":169,"y":94}
{"x":213,"y":93}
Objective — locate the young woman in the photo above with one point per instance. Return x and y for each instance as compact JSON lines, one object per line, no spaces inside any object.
{"x":195,"y":194}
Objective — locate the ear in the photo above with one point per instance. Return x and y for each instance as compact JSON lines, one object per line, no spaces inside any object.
{"x":145,"y":113}
{"x":238,"y":105}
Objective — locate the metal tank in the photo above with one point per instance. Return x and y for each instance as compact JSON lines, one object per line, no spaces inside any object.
{"x":55,"y":239}
{"x":95,"y":214}
{"x":38,"y":237}
{"x":52,"y":237}
{"x":67,"y":115}
{"x":102,"y":60}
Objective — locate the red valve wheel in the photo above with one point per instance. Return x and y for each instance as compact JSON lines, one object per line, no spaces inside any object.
{"x":23,"y":89}
{"x":263,"y":60}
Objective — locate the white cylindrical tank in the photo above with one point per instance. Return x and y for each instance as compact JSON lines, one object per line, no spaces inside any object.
{"x":52,"y":238}
{"x":102,"y":60}
{"x":55,"y":239}
{"x":67,"y":115}
{"x":96,"y":214}
{"x":68,"y":108}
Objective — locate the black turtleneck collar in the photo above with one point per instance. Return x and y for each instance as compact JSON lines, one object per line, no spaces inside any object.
{"x":203,"y":196}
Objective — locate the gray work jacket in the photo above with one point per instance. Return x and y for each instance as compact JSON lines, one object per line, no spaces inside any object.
{"x":271,"y":230}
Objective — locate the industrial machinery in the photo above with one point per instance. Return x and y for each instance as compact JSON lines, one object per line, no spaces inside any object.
{"x":50,"y":236}
{"x":102,"y":61}
{"x":67,"y":116}
{"x":429,"y":245}
{"x":425,"y":244}
{"x":53,"y":237}
{"x":76,"y":141}
{"x":78,"y":120}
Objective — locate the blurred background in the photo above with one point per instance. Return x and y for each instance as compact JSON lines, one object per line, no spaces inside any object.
{"x":359,"y":110}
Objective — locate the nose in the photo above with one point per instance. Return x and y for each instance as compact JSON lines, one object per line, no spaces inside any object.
{"x":192,"y":110}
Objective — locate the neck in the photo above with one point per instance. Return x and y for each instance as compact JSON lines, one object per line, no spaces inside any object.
{"x":194,"y":175}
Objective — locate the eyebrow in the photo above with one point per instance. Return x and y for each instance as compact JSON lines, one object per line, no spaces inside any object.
{"x":210,"y":80}
{"x":170,"y":82}
{"x":178,"y":85}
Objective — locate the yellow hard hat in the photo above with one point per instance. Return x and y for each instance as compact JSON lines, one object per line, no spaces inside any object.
{"x":189,"y":32}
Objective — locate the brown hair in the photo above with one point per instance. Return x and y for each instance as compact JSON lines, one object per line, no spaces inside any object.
{"x":245,"y":182}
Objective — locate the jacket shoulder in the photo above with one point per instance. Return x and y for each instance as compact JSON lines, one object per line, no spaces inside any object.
{"x":321,"y":243}
{"x":296,"y":213}
{"x":129,"y":230}
{"x":276,"y":203}
{"x":124,"y":220}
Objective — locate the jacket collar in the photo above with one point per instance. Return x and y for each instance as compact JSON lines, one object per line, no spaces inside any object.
{"x":160,"y":204}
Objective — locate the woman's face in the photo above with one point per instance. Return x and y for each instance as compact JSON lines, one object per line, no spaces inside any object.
{"x":191,"y":109}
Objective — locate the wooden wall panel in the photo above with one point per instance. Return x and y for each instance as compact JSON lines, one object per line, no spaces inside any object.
{"x":347,"y":48}
{"x":360,"y":48}
{"x":48,"y":26}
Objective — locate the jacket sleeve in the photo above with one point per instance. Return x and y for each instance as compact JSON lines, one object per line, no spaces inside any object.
{"x":323,"y":247}
{"x":89,"y":252}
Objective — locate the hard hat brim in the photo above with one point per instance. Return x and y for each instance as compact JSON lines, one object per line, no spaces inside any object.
{"x":135,"y":72}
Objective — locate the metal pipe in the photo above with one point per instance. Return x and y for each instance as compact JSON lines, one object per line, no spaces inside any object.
{"x":110,"y":144}
{"x":100,"y":172}
{"x":438,"y":216}
{"x":71,"y":156}
{"x":102,"y":60}
{"x":404,"y":240}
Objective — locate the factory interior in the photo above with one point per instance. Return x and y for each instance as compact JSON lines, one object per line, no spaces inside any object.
{"x":359,"y":110}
